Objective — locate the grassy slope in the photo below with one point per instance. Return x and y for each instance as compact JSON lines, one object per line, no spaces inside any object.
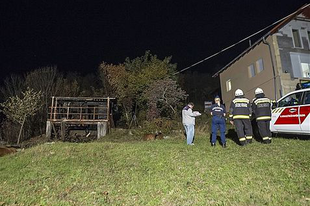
{"x":163,"y":172}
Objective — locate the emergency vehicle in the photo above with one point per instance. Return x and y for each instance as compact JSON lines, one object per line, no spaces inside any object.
{"x":290,"y":114}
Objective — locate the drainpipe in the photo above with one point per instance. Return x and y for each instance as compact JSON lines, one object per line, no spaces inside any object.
{"x":273,"y":70}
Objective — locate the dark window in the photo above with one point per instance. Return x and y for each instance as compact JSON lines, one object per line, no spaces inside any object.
{"x":307,"y":98}
{"x":291,"y":100}
{"x":251,"y":71}
{"x":296,"y":38}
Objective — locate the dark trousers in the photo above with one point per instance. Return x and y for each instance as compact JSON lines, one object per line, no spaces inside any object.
{"x":243,"y":129}
{"x":264,"y":129}
{"x":218,"y":123}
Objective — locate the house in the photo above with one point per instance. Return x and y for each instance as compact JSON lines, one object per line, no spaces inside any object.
{"x":277,"y":62}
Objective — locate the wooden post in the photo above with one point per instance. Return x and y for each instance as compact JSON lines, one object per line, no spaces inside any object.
{"x":68,"y":111}
{"x":52,"y":108}
{"x":48,"y":129}
{"x":108,"y":109}
{"x":55,"y":110}
{"x":63,"y":130}
{"x":80,"y":113}
{"x":101,"y":129}
{"x":94,"y":113}
{"x":108,"y":114}
{"x":54,"y":130}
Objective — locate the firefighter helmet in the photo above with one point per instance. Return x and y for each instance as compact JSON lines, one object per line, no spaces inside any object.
{"x":259,"y":91}
{"x":238,"y":92}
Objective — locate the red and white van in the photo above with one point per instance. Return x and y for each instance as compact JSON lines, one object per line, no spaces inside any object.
{"x":291,"y":114}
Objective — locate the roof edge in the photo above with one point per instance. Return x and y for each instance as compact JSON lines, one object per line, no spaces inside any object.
{"x":272,"y":31}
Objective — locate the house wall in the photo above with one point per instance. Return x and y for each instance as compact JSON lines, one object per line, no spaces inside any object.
{"x":290,"y":56}
{"x":239,"y":75}
{"x":287,"y":63}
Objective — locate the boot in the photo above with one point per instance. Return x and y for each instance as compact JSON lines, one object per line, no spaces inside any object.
{"x":213,"y":144}
{"x":243,"y":143}
{"x":224,"y":145}
{"x":266,"y":141}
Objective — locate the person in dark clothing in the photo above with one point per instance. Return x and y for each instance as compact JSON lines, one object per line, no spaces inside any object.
{"x":261,"y":107}
{"x":240,"y":112}
{"x":218,"y":113}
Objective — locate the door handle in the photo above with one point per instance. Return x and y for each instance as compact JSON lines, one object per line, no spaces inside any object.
{"x":293,"y":110}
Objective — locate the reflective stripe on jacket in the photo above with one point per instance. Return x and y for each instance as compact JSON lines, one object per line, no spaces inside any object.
{"x":240,"y":108}
{"x":217,"y":110}
{"x":261,"y":107}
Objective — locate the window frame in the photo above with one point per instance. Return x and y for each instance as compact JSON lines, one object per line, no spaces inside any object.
{"x":304,"y":98}
{"x":249,"y":71}
{"x":256,"y":65}
{"x":300,"y":100}
{"x":300,"y":39}
{"x":228,"y":85}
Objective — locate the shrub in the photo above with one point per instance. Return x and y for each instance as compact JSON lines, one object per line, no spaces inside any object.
{"x":163,"y":125}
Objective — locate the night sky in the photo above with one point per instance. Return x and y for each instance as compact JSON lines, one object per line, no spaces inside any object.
{"x":79,"y":35}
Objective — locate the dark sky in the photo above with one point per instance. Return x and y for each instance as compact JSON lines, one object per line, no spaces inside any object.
{"x":78,"y":35}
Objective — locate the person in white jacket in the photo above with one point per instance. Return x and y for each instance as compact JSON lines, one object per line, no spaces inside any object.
{"x":188,"y":120}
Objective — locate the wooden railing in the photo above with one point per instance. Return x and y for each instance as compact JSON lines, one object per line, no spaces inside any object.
{"x":78,"y":113}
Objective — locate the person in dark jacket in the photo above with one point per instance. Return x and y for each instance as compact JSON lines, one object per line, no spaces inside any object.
{"x":240,"y":112}
{"x":218,"y":113}
{"x":261,"y":107}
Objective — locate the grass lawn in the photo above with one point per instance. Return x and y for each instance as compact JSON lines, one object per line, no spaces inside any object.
{"x":161,"y":172}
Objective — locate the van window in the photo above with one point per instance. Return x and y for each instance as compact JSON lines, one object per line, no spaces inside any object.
{"x":291,"y":100}
{"x":307,"y":98}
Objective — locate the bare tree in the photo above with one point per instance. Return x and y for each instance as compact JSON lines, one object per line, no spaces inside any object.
{"x":49,"y":82}
{"x":13,"y":85}
{"x":19,"y":109}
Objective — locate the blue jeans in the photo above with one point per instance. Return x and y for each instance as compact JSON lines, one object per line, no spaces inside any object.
{"x":190,"y":131}
{"x":218,"y":122}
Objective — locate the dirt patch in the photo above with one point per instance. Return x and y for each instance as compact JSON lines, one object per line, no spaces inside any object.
{"x":6,"y":150}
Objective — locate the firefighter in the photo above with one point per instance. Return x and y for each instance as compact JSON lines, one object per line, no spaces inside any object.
{"x":240,"y":112}
{"x":218,"y":113}
{"x":261,"y":107}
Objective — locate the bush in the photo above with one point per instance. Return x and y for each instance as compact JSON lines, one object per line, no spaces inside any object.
{"x":9,"y":131}
{"x":203,"y":124}
{"x":163,"y":125}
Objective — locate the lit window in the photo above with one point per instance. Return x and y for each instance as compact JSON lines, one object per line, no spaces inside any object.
{"x":296,"y":38}
{"x":251,"y":70}
{"x":305,"y":70}
{"x":228,"y":85}
{"x":259,"y":65}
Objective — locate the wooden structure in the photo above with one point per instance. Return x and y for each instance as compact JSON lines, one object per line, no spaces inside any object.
{"x":78,"y":113}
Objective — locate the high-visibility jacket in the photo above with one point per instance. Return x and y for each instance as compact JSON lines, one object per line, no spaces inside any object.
{"x":240,"y":108}
{"x":261,"y":107}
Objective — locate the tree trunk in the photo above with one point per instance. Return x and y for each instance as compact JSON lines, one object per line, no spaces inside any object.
{"x":21,"y":129}
{"x":127,"y":119}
